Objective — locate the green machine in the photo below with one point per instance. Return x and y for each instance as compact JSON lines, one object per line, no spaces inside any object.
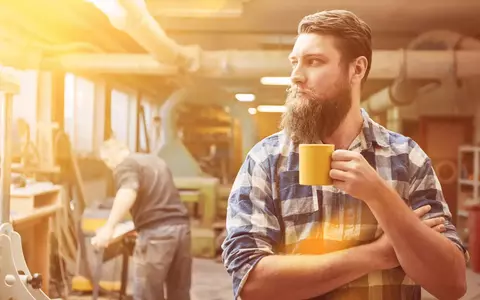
{"x":202,"y":193}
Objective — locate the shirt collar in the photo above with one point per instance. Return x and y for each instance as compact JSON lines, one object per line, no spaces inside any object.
{"x":373,"y":133}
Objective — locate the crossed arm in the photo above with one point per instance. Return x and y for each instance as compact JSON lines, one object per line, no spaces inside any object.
{"x":430,"y":260}
{"x":258,"y":273}
{"x":253,"y":230}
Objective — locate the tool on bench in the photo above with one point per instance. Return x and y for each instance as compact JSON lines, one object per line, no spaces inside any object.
{"x":122,"y":244}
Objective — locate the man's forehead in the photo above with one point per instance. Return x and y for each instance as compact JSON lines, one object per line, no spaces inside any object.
{"x":313,"y":44}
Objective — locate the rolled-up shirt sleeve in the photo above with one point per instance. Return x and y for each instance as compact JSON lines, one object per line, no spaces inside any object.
{"x":425,"y":189}
{"x":253,"y":230}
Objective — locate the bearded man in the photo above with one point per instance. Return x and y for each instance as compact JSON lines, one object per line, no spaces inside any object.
{"x":382,"y":231}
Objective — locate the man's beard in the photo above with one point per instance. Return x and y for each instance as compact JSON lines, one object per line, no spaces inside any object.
{"x":315,"y":117}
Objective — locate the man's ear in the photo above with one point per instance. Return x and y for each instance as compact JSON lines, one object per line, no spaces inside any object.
{"x":360,"y":65}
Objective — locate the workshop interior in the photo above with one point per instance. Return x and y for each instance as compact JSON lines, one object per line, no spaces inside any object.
{"x":198,"y":83}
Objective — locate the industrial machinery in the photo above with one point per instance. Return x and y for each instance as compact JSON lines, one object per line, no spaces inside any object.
{"x":17,"y":282}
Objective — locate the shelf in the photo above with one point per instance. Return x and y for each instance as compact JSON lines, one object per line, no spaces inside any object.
{"x":469,"y":148}
{"x":468,"y":182}
{"x":467,"y":189}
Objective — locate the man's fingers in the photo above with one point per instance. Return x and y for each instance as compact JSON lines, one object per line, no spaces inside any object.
{"x":434,"y":222}
{"x":344,"y":155}
{"x":440,"y":228}
{"x":421,"y":211}
{"x":340,"y":165}
{"x":339,"y":175}
{"x":98,"y":243}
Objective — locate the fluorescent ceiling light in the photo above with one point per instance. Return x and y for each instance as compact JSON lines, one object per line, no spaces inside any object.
{"x":275,"y":80}
{"x":271,"y":108}
{"x":252,"y":110}
{"x":245,"y":97}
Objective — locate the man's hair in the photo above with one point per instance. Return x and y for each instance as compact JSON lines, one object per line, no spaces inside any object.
{"x":113,"y":152}
{"x":353,"y":34}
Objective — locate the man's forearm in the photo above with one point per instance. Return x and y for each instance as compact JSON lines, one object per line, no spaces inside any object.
{"x":306,"y":276}
{"x":122,"y":203}
{"x":427,"y":257}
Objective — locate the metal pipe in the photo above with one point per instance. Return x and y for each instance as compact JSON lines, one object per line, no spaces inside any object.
{"x":168,"y":115}
{"x":144,"y":29}
{"x":137,"y":21}
{"x":171,"y":148}
{"x":6,"y":157}
{"x":456,"y":55}
{"x":387,"y":64}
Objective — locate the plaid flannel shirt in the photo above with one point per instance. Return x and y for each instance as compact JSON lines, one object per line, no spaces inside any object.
{"x":269,"y":212}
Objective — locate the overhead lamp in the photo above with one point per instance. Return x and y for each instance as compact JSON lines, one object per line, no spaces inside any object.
{"x":271,"y":108}
{"x":252,"y":110}
{"x":276,"y":81}
{"x":245,"y":97}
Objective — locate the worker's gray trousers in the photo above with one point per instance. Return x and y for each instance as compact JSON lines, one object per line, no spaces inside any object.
{"x":162,"y":259}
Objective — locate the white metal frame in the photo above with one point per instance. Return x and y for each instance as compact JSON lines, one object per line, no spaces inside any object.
{"x":475,"y":182}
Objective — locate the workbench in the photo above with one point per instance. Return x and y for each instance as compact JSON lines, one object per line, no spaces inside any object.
{"x":122,"y":244}
{"x":33,"y":208}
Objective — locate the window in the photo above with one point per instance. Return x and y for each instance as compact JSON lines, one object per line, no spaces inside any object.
{"x":132,"y":122}
{"x":119,"y":115}
{"x":79,"y":112}
{"x":24,"y":106}
{"x":25,"y":103}
{"x":84,"y":111}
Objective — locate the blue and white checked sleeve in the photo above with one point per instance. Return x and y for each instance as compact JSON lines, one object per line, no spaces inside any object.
{"x":252,"y":226}
{"x":425,"y":189}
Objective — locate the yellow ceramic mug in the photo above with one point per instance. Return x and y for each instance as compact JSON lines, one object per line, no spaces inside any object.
{"x":314,"y":161}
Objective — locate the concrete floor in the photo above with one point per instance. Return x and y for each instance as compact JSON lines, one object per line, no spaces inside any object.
{"x":211,"y":282}
{"x":207,"y":272}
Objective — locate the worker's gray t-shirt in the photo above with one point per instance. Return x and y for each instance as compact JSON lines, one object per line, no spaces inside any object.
{"x":158,"y":200}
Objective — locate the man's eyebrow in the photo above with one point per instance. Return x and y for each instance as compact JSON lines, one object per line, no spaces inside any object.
{"x":308,"y":55}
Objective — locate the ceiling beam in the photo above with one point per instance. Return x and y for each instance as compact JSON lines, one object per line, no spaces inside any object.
{"x":387,"y":64}
{"x":132,"y":64}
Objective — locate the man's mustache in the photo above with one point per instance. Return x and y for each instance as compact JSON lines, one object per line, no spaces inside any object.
{"x":294,"y":91}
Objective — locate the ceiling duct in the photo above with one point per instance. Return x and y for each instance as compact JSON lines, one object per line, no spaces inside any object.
{"x":407,"y":88}
{"x":133,"y":17}
{"x":387,"y":64}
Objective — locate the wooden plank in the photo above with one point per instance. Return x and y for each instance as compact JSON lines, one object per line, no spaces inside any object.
{"x":34,"y":229}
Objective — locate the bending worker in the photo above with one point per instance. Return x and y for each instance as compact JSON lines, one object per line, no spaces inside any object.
{"x":162,"y":254}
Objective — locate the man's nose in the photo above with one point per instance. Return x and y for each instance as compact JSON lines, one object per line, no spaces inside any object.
{"x":297,"y":76}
